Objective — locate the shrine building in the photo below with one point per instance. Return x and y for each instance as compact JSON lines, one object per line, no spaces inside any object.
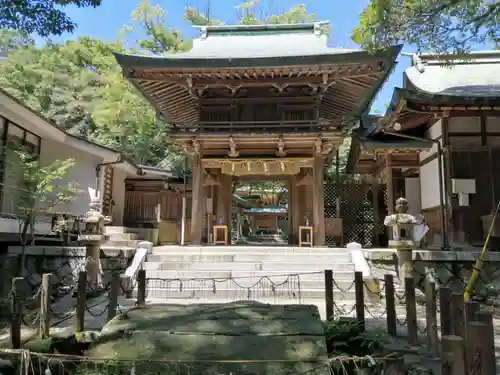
{"x":257,"y":102}
{"x":439,"y":144}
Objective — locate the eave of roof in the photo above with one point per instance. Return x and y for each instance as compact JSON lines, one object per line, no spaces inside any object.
{"x":130,"y":62}
{"x":363,"y":100}
{"x":478,"y":76}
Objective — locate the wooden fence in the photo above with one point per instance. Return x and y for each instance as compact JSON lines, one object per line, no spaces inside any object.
{"x":462,"y":336}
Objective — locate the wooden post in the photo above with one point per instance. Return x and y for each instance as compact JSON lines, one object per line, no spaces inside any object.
{"x":431,"y":318}
{"x":114,"y":292}
{"x":390,"y":305}
{"x":458,"y":314}
{"x":479,"y":353}
{"x":318,"y":199}
{"x":198,"y":200}
{"x":141,"y":288}
{"x":329,"y":294}
{"x":454,"y":354}
{"x":360,"y":299}
{"x":486,"y":317}
{"x":293,"y":211}
{"x":391,"y":202}
{"x":17,"y":312}
{"x":445,"y":311}
{"x":45,"y":304}
{"x":126,"y":286}
{"x":81,"y":300}
{"x":471,"y":308}
{"x":411,"y":311}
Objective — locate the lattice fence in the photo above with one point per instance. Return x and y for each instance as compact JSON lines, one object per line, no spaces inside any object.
{"x":362,"y":217}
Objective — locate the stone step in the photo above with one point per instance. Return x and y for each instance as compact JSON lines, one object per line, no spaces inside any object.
{"x":223,"y":274}
{"x":129,"y":243}
{"x":112,"y":250}
{"x":120,"y":236}
{"x":237,"y":294}
{"x":261,"y":257}
{"x":235,"y":249}
{"x":110,"y":229}
{"x":290,"y":267}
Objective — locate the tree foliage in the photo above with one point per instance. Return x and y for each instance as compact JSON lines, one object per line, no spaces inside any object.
{"x":43,"y":17}
{"x":35,"y":190}
{"x":439,"y":25}
{"x":80,"y":86}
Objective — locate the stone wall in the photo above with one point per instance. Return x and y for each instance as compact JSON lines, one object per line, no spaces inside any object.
{"x":447,"y":268}
{"x":63,"y":262}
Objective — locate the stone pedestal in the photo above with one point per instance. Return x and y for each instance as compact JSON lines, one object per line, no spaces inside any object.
{"x":92,"y":238}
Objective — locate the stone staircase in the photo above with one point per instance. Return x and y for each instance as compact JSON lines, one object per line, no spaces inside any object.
{"x":272,"y":274}
{"x":120,"y":238}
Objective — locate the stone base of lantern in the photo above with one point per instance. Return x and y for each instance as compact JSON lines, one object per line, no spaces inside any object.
{"x":402,"y":244}
{"x":404,"y":251}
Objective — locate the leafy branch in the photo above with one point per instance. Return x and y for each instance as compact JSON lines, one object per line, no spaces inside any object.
{"x":445,"y":26}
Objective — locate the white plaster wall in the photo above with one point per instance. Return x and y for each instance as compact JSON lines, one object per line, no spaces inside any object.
{"x":493,"y":124}
{"x":118,"y":195}
{"x":429,"y":184}
{"x":464,"y":124}
{"x":429,"y":172}
{"x":412,"y":194}
{"x":434,"y":132}
{"x":82,"y":173}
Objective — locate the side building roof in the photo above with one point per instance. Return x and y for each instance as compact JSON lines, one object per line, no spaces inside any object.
{"x":436,"y":83}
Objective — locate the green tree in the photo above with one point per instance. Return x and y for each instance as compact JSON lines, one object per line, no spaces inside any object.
{"x":35,"y":190}
{"x":150,"y":20}
{"x":43,"y":17}
{"x":438,"y":25}
{"x":80,"y":86}
{"x":11,"y":40}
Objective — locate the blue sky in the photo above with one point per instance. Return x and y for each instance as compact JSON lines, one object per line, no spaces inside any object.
{"x":106,"y":21}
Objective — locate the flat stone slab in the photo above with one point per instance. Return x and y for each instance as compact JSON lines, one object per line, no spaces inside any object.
{"x":277,"y":338}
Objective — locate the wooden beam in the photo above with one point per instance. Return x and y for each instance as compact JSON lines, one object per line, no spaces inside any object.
{"x":265,"y":99}
{"x":196,"y":81}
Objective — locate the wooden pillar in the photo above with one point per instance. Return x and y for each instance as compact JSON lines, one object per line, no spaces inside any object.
{"x":198,"y":201}
{"x":293,"y":210}
{"x":225,"y":200}
{"x":390,"y":184}
{"x":318,"y":201}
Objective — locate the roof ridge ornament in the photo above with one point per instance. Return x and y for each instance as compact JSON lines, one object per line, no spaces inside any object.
{"x":417,"y":62}
{"x":318,"y":31}
{"x":203,"y":33}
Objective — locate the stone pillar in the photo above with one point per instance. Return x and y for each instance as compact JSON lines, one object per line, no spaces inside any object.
{"x":198,"y":201}
{"x":318,"y":198}
{"x":401,"y":225}
{"x":93,"y":237}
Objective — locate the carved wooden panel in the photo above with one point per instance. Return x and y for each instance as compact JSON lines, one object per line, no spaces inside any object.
{"x":107,"y":191}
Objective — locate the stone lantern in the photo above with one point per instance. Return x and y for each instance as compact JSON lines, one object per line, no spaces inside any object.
{"x":93,"y":237}
{"x":402,"y":225}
